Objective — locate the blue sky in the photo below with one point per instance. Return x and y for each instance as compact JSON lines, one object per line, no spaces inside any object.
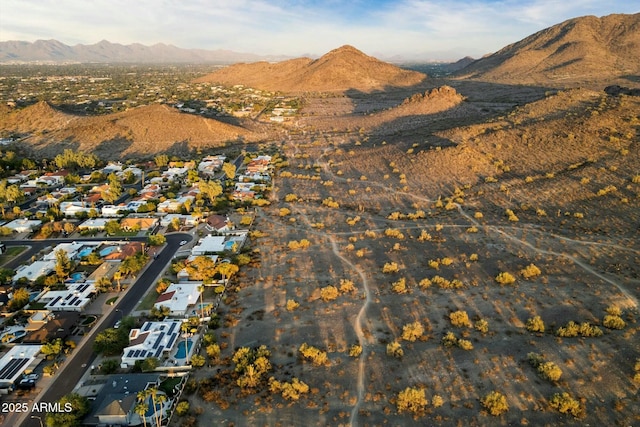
{"x":420,"y":29}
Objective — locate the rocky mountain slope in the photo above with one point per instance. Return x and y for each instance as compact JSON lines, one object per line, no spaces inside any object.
{"x":580,"y":49}
{"x":342,"y":69}
{"x":141,"y":131}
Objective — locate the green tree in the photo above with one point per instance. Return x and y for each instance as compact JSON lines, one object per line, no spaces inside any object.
{"x":202,"y":268}
{"x":112,"y":227}
{"x":157,"y":239}
{"x":161,"y":160}
{"x":210,"y":189}
{"x":64,"y":265}
{"x":110,"y":342}
{"x":79,"y":406}
{"x":229,"y":170}
{"x":411,"y":399}
{"x":20,"y":299}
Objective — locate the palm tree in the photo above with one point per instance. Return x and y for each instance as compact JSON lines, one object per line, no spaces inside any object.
{"x":142,"y":407}
{"x":117,"y":276}
{"x":159,"y":412}
{"x":227,"y":270}
{"x":201,"y":290}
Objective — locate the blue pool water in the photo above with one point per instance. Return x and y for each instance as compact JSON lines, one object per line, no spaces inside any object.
{"x":76,"y":277}
{"x":181,"y":353}
{"x":85,"y":252}
{"x":33,"y":295}
{"x":106,"y":251}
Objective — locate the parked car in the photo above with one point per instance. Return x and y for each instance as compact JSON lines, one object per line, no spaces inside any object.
{"x":183,"y":242}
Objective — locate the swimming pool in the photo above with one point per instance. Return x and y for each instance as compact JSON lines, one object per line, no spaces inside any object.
{"x":85,"y":252}
{"x":181,"y":353}
{"x":109,"y":249}
{"x":77,"y":277}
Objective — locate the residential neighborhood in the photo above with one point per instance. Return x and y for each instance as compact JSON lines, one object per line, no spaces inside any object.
{"x":78,"y":241}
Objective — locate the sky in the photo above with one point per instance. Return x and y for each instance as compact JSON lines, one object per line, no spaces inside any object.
{"x":406,"y":29}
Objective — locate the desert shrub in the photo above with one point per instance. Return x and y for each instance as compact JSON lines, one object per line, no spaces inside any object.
{"x":292,"y":305}
{"x":395,"y":349}
{"x":565,"y":404}
{"x":446,"y":261}
{"x":473,"y":257}
{"x":549,"y":371}
{"x":465,"y":344}
{"x":316,"y":356}
{"x":478,"y":215}
{"x":437,"y":401}
{"x":460,"y":318}
{"x":394,"y":232}
{"x":613,"y":322}
{"x":530,"y":271}
{"x":449,"y":339}
{"x":572,"y":329}
{"x":329,"y":293}
{"x":535,"y":324}
{"x":636,"y":368}
{"x":412,"y":331}
{"x":346,"y":285}
{"x":390,"y":267}
{"x":290,"y":197}
{"x":355,"y":350}
{"x":505,"y":278}
{"x":434,"y":264}
{"x":635,"y":179}
{"x":495,"y":403}
{"x":182,"y":408}
{"x":411,"y":399}
{"x":302,"y":244}
{"x":614,"y":310}
{"x":482,"y":326}
{"x":472,"y":229}
{"x":284,"y":211}
{"x":329,"y":202}
{"x":441,"y":282}
{"x":424,"y":283}
{"x":400,"y":286}
{"x":289,"y":390}
{"x":424,"y":236}
{"x":511,"y":216}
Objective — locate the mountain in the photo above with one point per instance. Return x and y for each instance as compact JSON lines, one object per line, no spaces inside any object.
{"x":342,"y":69}
{"x":104,"y":51}
{"x":585,"y":48}
{"x":141,"y":131}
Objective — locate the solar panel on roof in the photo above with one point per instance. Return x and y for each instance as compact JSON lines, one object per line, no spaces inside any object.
{"x":11,"y":368}
{"x":172,"y":327}
{"x":155,"y":345}
{"x":54,"y":301}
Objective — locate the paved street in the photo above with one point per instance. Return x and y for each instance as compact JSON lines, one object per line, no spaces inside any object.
{"x":83,"y":356}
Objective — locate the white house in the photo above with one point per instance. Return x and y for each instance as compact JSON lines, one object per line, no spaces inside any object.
{"x":179,"y":297}
{"x":208,"y":245}
{"x":23,"y":225}
{"x":75,"y":298}
{"x":94,"y":224}
{"x":34,"y":270}
{"x":153,"y":339}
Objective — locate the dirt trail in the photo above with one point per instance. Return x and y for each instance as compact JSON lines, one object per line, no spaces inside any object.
{"x":576,"y":261}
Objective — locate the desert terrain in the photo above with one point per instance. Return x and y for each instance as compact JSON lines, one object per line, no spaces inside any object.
{"x":431,"y":239}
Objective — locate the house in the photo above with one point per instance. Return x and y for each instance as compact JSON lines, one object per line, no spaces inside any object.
{"x":106,"y":269}
{"x":60,"y":326}
{"x":141,"y":224}
{"x":94,"y":224}
{"x":113,"y":211}
{"x":218,"y":223}
{"x":23,"y":225}
{"x":34,"y":270}
{"x":153,"y":339}
{"x":209,"y":245}
{"x":179,"y":297}
{"x":72,"y":249}
{"x":114,"y":401}
{"x":70,"y":209}
{"x":50,"y":181}
{"x":75,"y":298}
{"x":211,"y":164}
{"x":188,"y":220}
{"x":124,"y":251}
{"x":16,"y":361}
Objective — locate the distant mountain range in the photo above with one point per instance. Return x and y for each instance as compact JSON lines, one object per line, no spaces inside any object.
{"x":53,"y":51}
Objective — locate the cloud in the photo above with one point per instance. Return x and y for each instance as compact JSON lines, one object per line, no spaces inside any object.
{"x":405,"y":27}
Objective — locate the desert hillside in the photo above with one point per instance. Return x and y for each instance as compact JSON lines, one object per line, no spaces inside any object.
{"x":137,"y":132}
{"x":580,"y":49}
{"x":342,"y":69}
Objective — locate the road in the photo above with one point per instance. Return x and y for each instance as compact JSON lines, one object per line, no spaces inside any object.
{"x":83,"y":356}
